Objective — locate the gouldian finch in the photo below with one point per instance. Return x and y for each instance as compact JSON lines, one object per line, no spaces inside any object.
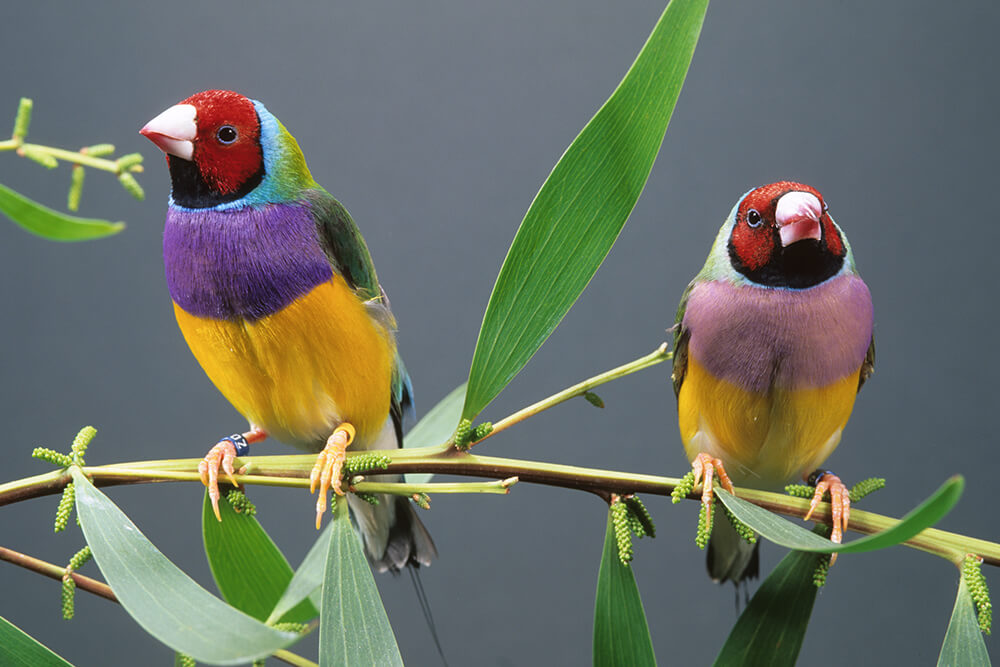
{"x":276,"y":295}
{"x":772,"y":344}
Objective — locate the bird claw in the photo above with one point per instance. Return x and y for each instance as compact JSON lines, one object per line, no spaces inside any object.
{"x":840,"y":506}
{"x":329,"y":465}
{"x":706,"y":466}
{"x":221,"y":456}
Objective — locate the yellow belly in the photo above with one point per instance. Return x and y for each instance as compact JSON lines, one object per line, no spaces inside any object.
{"x":298,"y":373}
{"x":765,"y":440}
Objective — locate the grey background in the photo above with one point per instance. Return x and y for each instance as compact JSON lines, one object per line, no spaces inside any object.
{"x":435,"y":123}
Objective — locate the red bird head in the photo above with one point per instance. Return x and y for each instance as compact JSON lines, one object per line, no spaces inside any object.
{"x":212,"y":143}
{"x":783,"y":236}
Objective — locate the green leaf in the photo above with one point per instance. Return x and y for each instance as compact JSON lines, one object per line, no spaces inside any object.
{"x":771,"y":629}
{"x":787,"y":534}
{"x":354,"y":628}
{"x":582,"y":206}
{"x":621,"y":635}
{"x":19,"y":649}
{"x":249,"y":569}
{"x":167,"y":603}
{"x":435,"y":428}
{"x":307,"y":579}
{"x":963,"y":642}
{"x":51,"y":224}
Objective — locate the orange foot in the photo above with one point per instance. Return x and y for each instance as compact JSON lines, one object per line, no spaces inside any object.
{"x":221,"y":457}
{"x":329,"y":464}
{"x":840,"y":503}
{"x":707,"y":466}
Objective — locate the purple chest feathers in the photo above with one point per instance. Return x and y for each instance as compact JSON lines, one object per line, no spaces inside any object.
{"x":763,"y":338}
{"x":241,"y":263}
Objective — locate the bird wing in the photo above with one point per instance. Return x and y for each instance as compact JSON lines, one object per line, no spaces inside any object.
{"x":348,"y":254}
{"x":681,"y":336}
{"x":868,"y":366}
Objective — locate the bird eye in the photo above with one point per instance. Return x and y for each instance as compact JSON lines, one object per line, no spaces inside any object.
{"x":226,"y":134}
{"x":753,"y":218}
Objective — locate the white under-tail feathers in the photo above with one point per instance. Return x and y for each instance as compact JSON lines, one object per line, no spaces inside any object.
{"x":392,"y":533}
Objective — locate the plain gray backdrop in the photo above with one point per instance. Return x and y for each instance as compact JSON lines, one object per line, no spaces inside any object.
{"x":435,"y":123}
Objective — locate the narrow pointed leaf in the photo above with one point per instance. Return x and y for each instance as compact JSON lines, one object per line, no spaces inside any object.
{"x":19,"y":649}
{"x":307,"y":579}
{"x":771,"y":629}
{"x":249,"y":569}
{"x":621,"y":635}
{"x":354,"y":628}
{"x":51,"y":224}
{"x":581,"y":208}
{"x":963,"y":642}
{"x":781,"y":531}
{"x":435,"y":428}
{"x":167,"y":603}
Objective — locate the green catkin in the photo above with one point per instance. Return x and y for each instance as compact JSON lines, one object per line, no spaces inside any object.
{"x":99,"y":150}
{"x":126,"y":162}
{"x":65,"y":509}
{"x":181,"y":660}
{"x":240,"y":503}
{"x":260,"y":662}
{"x":131,"y":185}
{"x":52,"y":456}
{"x":81,"y":441}
{"x":593,"y":399}
{"x":743,"y":530}
{"x":298,"y":628}
{"x":38,"y":156}
{"x":370,"y":498}
{"x":865,"y":487}
{"x":822,"y":560}
{"x":635,"y":525}
{"x":80,"y":558}
{"x":639,"y":513}
{"x":623,"y":533}
{"x":800,"y":491}
{"x":822,"y":569}
{"x":705,"y":519}
{"x":365,"y":462}
{"x":976,"y":583}
{"x":68,"y":590}
{"x":462,"y":433}
{"x":481,"y":431}
{"x":23,"y":119}
{"x":422,"y":500}
{"x":683,"y":488}
{"x":75,"y":188}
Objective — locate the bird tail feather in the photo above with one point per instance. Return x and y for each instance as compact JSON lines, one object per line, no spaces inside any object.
{"x":730,"y":557}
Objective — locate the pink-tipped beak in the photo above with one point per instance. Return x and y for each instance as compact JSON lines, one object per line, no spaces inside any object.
{"x":173,"y":131}
{"x":798,"y":215}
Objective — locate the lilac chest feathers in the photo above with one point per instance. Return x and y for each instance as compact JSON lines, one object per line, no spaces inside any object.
{"x":243,"y":263}
{"x":772,"y":338}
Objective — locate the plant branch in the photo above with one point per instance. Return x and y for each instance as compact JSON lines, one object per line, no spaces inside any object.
{"x":293,"y":471}
{"x":56,"y":572}
{"x":659,"y":355}
{"x":101,"y":589}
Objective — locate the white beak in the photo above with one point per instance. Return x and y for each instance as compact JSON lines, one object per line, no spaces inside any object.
{"x":174,"y":130}
{"x":798,"y":215}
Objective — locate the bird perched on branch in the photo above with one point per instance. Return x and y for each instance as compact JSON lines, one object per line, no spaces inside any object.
{"x":275,"y":292}
{"x":772,"y":344}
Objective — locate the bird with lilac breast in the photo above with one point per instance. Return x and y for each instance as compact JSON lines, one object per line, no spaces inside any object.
{"x":773,"y":341}
{"x":276,"y":295}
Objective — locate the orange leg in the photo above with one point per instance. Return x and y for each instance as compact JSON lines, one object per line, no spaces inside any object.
{"x":329,"y":464}
{"x":840,"y":504}
{"x":221,"y":456}
{"x":706,"y":466}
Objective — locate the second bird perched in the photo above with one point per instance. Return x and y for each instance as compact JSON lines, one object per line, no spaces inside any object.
{"x":275,"y":292}
{"x":773,"y":342}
